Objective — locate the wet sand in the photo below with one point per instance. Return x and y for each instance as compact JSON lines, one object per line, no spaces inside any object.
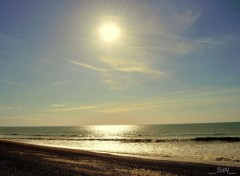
{"x":31,"y":160}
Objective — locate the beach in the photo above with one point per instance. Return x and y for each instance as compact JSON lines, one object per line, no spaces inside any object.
{"x":204,"y":143}
{"x":29,"y":160}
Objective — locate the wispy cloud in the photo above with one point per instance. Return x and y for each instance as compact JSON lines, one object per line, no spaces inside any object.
{"x":39,"y":115}
{"x":162,"y":32}
{"x":87,"y":66}
{"x":129,"y":107}
{"x":72,"y":109}
{"x":8,"y":38}
{"x":210,"y":41}
{"x":181,"y":99}
{"x":129,"y":66}
{"x":6,"y":108}
{"x":10,"y":82}
{"x":118,"y":71}
{"x":174,"y":100}
{"x":58,"y":105}
{"x":119,"y":82}
{"x":10,"y":107}
{"x":207,"y":92}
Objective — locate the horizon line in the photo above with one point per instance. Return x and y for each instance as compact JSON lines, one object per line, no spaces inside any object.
{"x":125,"y":124}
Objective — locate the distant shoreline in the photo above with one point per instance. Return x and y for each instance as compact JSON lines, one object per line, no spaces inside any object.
{"x":25,"y":159}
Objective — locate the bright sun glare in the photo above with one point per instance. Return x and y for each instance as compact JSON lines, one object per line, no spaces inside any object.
{"x":109,"y":32}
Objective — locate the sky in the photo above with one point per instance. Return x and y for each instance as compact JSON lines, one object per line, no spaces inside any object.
{"x":174,"y":61}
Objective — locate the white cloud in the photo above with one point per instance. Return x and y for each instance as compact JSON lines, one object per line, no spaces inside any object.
{"x":178,"y":99}
{"x":58,"y":105}
{"x":6,"y":108}
{"x":129,"y":66}
{"x":9,"y":82}
{"x":87,"y":66}
{"x":72,"y":109}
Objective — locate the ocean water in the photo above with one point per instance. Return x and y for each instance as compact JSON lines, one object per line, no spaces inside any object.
{"x":208,"y":143}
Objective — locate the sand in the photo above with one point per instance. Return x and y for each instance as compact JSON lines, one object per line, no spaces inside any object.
{"x":31,"y":160}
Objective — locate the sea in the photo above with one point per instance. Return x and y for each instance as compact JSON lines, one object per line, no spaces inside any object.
{"x":215,"y":143}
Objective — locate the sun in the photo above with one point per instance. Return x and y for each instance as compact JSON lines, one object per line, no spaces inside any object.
{"x":109,"y":32}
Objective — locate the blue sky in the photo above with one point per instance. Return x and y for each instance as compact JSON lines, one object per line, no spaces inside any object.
{"x":176,"y":61}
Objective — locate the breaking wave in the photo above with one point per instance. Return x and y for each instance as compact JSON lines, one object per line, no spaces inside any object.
{"x":125,"y":140}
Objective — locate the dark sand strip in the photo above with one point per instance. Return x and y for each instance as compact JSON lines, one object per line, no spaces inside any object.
{"x":30,"y":160}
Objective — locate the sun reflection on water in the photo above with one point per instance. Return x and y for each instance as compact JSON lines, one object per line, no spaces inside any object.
{"x":112,"y":130}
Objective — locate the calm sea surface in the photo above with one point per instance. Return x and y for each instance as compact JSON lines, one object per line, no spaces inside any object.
{"x":213,"y":142}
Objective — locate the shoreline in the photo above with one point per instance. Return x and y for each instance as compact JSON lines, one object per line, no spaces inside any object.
{"x":210,"y":162}
{"x":19,"y":158}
